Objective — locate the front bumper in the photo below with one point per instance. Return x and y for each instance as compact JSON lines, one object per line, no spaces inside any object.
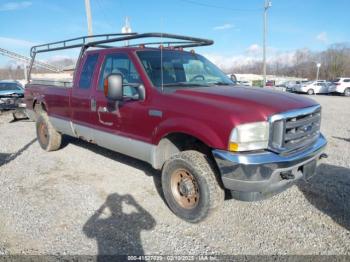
{"x":255,"y":176}
{"x":10,"y":103}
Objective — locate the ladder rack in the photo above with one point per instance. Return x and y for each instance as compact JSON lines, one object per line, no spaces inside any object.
{"x":72,"y":43}
{"x":84,"y":42}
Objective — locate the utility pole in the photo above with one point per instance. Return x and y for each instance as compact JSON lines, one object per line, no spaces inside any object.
{"x":88,"y":17}
{"x":267,"y":5}
{"x":126,"y":29}
{"x":318,"y":71}
{"x":25,"y":71}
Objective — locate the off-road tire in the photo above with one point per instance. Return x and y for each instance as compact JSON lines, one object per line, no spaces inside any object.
{"x":48,"y":138}
{"x":310,"y":92}
{"x":211,"y":194}
{"x":347,"y":92}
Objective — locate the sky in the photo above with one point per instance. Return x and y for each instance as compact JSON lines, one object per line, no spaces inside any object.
{"x":235,"y":26}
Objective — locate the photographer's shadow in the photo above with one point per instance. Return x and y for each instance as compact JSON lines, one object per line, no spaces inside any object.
{"x":117,"y":227}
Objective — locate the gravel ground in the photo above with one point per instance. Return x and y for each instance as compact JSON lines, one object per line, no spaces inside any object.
{"x":60,"y":202}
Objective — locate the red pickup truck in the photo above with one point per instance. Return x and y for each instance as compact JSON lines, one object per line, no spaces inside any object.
{"x":177,"y":111}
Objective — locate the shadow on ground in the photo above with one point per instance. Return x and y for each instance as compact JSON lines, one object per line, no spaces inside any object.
{"x":7,"y":158}
{"x":329,"y":191}
{"x":117,"y":227}
{"x":143,"y":166}
{"x":342,"y":138}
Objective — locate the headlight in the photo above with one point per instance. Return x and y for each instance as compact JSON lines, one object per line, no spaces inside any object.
{"x":252,"y":136}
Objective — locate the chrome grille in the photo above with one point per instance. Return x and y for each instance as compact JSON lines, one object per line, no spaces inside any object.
{"x":295,"y":130}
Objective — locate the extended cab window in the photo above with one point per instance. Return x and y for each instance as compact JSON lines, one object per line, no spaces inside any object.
{"x":120,"y":63}
{"x":88,"y":71}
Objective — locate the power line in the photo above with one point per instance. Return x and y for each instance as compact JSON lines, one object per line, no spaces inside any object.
{"x":219,"y":7}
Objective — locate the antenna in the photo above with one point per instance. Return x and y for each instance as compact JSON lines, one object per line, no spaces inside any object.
{"x":161,"y":54}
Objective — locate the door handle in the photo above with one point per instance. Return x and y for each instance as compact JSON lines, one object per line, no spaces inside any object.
{"x":93,"y":104}
{"x":103,"y":110}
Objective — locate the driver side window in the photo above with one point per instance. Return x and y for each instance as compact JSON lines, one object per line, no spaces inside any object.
{"x":120,"y":63}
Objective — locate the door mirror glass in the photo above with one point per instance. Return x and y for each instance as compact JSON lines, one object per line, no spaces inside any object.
{"x":113,"y":86}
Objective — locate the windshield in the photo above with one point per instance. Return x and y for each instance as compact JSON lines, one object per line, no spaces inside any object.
{"x":181,"y":69}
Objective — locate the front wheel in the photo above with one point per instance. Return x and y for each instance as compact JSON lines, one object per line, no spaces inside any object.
{"x":191,"y":187}
{"x":49,"y":139}
{"x":347,"y":92}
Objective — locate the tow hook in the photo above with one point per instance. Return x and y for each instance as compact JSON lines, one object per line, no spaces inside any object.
{"x":287,"y":175}
{"x":323,"y":155}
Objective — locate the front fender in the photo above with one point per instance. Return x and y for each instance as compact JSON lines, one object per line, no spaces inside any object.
{"x":192,"y":127}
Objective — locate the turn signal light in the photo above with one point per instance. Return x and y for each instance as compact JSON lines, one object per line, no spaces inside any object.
{"x":233,"y":147}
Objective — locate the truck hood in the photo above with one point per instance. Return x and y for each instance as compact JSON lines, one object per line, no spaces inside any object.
{"x":247,"y":100}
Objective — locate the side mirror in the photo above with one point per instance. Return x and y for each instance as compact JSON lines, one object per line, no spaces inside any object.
{"x":113,"y":86}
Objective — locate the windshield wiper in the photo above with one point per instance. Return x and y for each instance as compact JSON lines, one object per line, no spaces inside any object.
{"x":220,"y":83}
{"x":183,"y":84}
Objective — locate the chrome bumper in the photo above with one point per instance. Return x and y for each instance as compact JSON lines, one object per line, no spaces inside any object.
{"x":255,"y":176}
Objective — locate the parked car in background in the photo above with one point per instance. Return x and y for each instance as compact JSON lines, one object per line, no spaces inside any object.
{"x":280,"y":88}
{"x":270,"y":83}
{"x":11,"y":94}
{"x":341,"y":86}
{"x":313,"y":87}
{"x":244,"y":83}
{"x":294,"y":84}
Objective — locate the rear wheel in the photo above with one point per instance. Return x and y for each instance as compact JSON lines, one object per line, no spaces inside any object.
{"x":191,"y":187}
{"x":347,"y":92}
{"x":310,"y":92}
{"x":49,"y":139}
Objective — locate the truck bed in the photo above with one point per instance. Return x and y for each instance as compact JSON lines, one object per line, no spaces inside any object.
{"x":57,"y":98}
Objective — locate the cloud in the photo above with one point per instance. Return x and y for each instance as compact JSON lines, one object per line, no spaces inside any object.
{"x":223,"y":27}
{"x":7,"y":42}
{"x":254,"y":49}
{"x":12,"y":6}
{"x":322,"y":37}
{"x":251,"y":56}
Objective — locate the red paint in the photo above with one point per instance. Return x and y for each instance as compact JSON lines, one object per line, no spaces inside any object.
{"x":208,"y":113}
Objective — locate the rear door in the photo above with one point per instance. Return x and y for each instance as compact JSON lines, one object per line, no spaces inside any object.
{"x":83,"y":104}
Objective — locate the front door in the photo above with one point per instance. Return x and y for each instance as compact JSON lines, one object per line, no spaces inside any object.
{"x":120,"y":124}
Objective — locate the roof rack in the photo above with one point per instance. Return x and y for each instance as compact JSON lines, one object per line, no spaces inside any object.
{"x":71,"y":43}
{"x":94,"y":41}
{"x":178,"y":41}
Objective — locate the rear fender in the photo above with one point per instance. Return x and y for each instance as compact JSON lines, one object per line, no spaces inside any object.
{"x":39,"y":100}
